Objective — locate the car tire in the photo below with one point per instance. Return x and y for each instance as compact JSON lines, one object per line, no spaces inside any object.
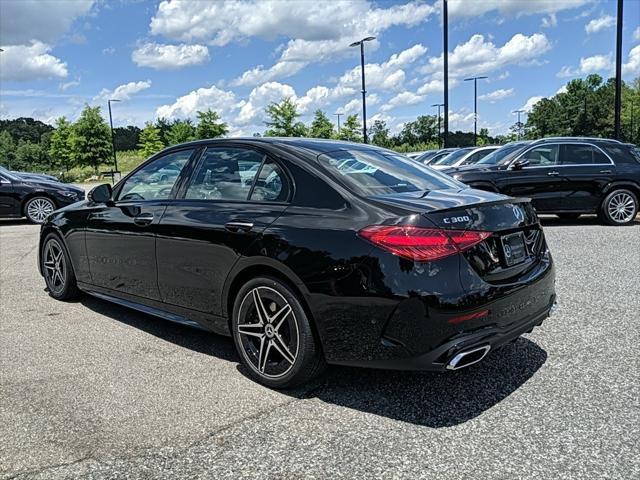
{"x":273,"y":335}
{"x":57,"y":269}
{"x":619,"y":207}
{"x":38,"y":208}
{"x":569,"y":216}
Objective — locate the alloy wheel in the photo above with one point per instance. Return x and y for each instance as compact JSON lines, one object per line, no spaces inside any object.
{"x":621,"y":207}
{"x":39,"y":208}
{"x":268,"y":332}
{"x":54,"y":266}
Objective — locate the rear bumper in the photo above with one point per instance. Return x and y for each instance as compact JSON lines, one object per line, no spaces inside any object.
{"x":440,"y":357}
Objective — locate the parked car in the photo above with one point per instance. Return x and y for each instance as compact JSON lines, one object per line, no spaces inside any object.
{"x":335,"y":252}
{"x":434,"y":155}
{"x":416,"y":154}
{"x":463,"y":156}
{"x":36,"y":176}
{"x":564,"y":176}
{"x":33,"y":198}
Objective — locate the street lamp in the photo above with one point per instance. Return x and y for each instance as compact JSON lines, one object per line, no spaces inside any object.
{"x":364,"y":92}
{"x":618,"y":94}
{"x":439,"y":134}
{"x":475,"y":106}
{"x":113,"y":142}
{"x":519,"y":124}
{"x":338,"y":115}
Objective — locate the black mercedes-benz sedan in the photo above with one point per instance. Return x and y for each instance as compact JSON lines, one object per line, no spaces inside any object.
{"x":564,"y":176}
{"x":33,"y":197}
{"x":309,"y":252}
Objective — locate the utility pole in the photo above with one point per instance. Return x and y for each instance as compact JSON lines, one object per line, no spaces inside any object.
{"x":618,"y":100}
{"x":113,"y":142}
{"x":475,"y":106}
{"x":445,"y":53}
{"x":519,"y":122}
{"x":364,"y":91}
{"x":338,"y":115}
{"x":439,"y":134}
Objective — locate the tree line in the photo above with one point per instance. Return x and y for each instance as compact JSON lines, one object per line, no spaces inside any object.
{"x":583,"y":108}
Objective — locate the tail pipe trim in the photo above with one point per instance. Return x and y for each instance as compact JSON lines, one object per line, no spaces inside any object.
{"x":468,"y":357}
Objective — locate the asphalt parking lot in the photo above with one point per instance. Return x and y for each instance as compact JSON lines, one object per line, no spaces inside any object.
{"x":90,"y":389}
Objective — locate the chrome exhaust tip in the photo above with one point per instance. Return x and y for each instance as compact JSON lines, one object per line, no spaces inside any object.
{"x":468,"y":357}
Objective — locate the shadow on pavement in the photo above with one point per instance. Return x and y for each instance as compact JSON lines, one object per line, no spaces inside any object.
{"x":16,"y":221}
{"x":422,"y":398}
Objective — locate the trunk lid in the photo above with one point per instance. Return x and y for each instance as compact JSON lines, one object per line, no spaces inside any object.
{"x":517,"y":241}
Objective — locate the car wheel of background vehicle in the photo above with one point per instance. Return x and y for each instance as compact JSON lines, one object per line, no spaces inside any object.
{"x":38,"y":208}
{"x":569,"y":216}
{"x":57,"y":269}
{"x":273,"y":335}
{"x":620,"y":207}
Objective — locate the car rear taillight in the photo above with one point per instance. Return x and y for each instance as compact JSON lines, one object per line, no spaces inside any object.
{"x":421,"y":244}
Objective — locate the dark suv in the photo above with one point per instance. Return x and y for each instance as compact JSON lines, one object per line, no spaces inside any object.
{"x":564,"y":176}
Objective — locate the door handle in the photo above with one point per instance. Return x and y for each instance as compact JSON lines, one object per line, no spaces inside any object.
{"x":238,"y":226}
{"x":553,"y":174}
{"x":143,"y":219}
{"x":605,"y":171}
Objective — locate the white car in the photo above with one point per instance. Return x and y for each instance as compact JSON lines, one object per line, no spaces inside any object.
{"x":463,"y":156}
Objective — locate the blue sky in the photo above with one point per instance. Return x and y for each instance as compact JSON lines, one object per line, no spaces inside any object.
{"x":175,"y":57}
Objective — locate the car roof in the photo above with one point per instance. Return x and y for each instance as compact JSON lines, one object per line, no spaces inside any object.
{"x":577,"y":139}
{"x":316,"y":145}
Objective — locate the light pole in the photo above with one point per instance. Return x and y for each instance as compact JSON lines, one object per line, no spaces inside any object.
{"x":439,"y":134}
{"x":445,"y":54}
{"x":475,"y":106}
{"x":338,"y":115}
{"x":519,"y":123}
{"x":618,"y":98}
{"x":113,"y":142}
{"x":364,"y":91}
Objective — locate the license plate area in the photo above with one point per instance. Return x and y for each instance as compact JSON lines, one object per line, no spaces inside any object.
{"x":514,"y":250}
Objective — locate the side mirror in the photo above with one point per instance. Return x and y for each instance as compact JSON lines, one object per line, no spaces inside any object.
{"x":101,"y":193}
{"x":520,"y":164}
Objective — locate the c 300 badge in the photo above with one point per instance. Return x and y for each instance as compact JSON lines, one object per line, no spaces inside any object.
{"x":464,"y":218}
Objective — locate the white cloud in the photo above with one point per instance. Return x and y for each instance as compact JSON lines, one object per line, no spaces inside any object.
{"x":562,"y":89}
{"x":71,"y":84}
{"x":461,"y":120}
{"x":108,"y":51}
{"x":402,"y":99}
{"x":30,"y":62}
{"x":478,"y":56}
{"x":596,"y":63}
{"x":636,"y":34}
{"x":517,"y":8}
{"x":388,"y":75}
{"x":530,"y":103}
{"x":599,"y":24}
{"x":326,"y":38}
{"x":632,"y":67}
{"x":253,"y":108}
{"x":26,"y":21}
{"x":123,"y":92}
{"x":497,"y":95}
{"x":219,"y":23}
{"x":169,"y":57}
{"x":550,"y":21}
{"x":201,"y":99}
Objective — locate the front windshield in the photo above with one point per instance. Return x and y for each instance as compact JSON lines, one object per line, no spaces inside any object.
{"x":500,"y":154}
{"x":453,"y":157}
{"x":379,"y":172}
{"x":7,"y":174}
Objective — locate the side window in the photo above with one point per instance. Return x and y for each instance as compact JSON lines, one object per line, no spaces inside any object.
{"x":542,"y":156}
{"x":155,"y":180}
{"x":575,"y":154}
{"x":224,"y":174}
{"x":599,"y":157}
{"x":271,"y":185}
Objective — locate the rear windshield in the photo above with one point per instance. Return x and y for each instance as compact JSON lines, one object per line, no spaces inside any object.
{"x":496,"y":157}
{"x":379,"y":172}
{"x":453,"y":157}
